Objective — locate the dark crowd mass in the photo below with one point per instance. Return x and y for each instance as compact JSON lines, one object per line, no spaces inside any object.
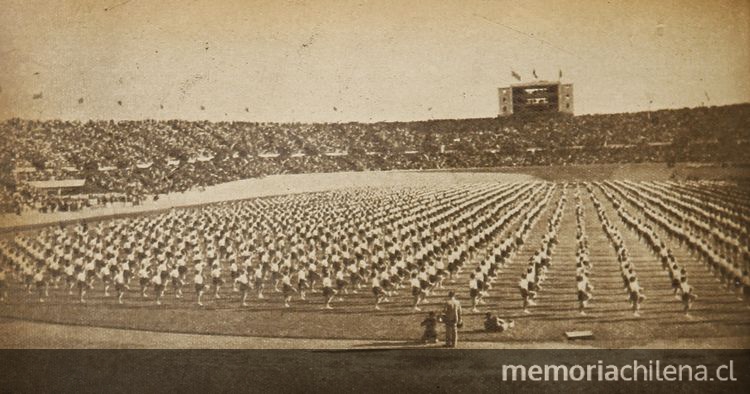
{"x":130,"y":161}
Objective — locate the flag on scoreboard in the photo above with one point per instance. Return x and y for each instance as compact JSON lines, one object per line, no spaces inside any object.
{"x":515,"y":75}
{"x":534,"y":72}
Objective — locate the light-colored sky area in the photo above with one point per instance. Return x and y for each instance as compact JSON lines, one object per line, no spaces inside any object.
{"x":333,"y":61}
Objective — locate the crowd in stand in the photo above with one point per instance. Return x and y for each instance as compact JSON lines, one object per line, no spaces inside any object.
{"x":145,"y":158}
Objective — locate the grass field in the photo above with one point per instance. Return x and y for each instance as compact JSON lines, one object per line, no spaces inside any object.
{"x":718,"y":314}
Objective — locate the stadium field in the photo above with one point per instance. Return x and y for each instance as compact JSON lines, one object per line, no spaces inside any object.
{"x":718,"y":316}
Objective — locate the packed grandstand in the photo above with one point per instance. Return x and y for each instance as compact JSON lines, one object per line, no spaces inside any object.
{"x":130,"y":161}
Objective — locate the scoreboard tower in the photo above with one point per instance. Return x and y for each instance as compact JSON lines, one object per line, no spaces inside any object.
{"x":535,"y":98}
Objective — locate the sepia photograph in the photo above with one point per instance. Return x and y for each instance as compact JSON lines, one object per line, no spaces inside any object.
{"x":376,"y":178}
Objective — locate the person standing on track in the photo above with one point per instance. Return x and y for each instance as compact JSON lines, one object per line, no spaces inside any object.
{"x":452,"y":319}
